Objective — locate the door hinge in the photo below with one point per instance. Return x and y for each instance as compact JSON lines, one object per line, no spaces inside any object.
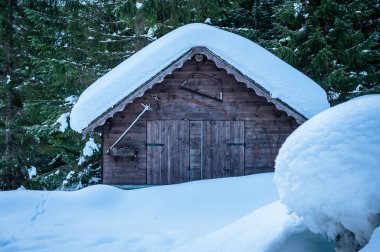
{"x":154,"y":144}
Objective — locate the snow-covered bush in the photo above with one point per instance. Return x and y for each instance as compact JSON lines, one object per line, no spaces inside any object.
{"x":328,"y":172}
{"x":66,"y":179}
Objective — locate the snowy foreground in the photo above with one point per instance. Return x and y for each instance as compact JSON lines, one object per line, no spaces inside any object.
{"x":232,"y":214}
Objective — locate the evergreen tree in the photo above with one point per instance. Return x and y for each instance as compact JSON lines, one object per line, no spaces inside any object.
{"x":15,"y":143}
{"x":252,"y":19}
{"x":49,"y":58}
{"x":150,"y":19}
{"x":70,"y":49}
{"x":335,"y":42}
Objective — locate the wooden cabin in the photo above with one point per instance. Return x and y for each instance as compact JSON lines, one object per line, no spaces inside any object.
{"x":199,"y":117}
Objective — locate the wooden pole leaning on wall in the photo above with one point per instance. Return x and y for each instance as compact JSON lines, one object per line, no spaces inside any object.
{"x":146,"y":108}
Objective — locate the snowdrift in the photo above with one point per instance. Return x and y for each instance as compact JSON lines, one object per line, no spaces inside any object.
{"x":193,"y":215}
{"x":104,"y":218}
{"x":328,"y":170}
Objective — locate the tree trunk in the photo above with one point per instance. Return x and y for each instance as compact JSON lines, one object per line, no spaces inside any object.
{"x":9,"y":150}
{"x":140,"y":39}
{"x":10,"y":173}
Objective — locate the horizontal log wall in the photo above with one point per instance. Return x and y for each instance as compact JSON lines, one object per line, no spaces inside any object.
{"x":265,"y":127}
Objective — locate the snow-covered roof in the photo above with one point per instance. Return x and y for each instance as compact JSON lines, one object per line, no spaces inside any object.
{"x":280,"y":80}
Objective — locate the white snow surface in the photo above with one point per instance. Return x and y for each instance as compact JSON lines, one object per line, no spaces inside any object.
{"x":373,"y":244}
{"x":71,"y":100}
{"x":139,"y":5}
{"x":32,"y":171}
{"x":151,"y":32}
{"x":269,"y":228}
{"x":280,"y":79}
{"x":62,"y":120}
{"x":90,"y":147}
{"x":164,"y":218}
{"x":8,"y":79}
{"x":328,"y":170}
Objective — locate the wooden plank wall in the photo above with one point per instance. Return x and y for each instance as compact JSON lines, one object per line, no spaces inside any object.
{"x":265,"y":128}
{"x":196,"y":129}
{"x":167,"y":152}
{"x":222,"y":149}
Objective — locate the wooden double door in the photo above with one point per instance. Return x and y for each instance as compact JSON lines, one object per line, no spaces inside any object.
{"x":181,"y":150}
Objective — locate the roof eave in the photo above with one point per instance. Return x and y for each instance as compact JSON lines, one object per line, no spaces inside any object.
{"x":178,"y":63}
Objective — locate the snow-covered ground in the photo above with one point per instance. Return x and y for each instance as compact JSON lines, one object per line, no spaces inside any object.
{"x":232,"y":214}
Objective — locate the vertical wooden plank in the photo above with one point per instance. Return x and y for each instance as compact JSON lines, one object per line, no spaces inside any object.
{"x":220,"y":149}
{"x":157,"y":153}
{"x":207,"y":152}
{"x":195,"y":150}
{"x":183,"y":151}
{"x":163,"y":154}
{"x":168,"y":149}
{"x":226,"y":150}
{"x":172,"y":155}
{"x":214,"y":149}
{"x":241,"y":139}
{"x":202,"y":145}
{"x":149,"y":153}
{"x":237,"y":151}
{"x":176,"y":154}
{"x":153,"y":153}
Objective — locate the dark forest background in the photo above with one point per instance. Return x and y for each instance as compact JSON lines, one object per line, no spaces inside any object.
{"x":51,"y":50}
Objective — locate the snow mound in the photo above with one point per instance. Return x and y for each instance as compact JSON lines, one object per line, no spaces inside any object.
{"x":104,"y":218}
{"x":280,"y":79}
{"x":373,"y":244}
{"x":269,"y":228}
{"x":328,"y":170}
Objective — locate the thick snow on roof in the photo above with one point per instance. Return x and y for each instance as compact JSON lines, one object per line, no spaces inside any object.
{"x":270,"y":72}
{"x":328,"y":170}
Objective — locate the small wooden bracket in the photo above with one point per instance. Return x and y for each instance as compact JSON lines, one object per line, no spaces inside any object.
{"x":126,"y":152}
{"x":198,"y":57}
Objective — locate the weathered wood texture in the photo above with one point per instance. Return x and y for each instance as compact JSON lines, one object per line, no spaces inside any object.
{"x":222,"y":149}
{"x":254,"y":128}
{"x":167,"y":152}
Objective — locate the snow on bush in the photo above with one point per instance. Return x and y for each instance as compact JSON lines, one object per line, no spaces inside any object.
{"x":89,"y":149}
{"x":62,"y":120}
{"x":328,"y":170}
{"x":71,"y":100}
{"x":32,"y":172}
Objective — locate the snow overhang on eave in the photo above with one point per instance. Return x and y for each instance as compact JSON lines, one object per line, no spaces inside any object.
{"x":178,"y":63}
